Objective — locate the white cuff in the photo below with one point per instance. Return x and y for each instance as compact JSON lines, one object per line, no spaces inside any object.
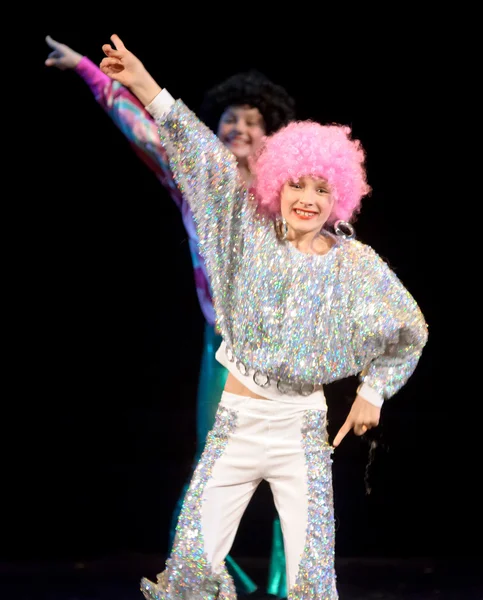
{"x":161,"y":105}
{"x":370,"y":394}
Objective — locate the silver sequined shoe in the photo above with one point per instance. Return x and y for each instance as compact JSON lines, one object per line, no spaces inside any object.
{"x":150,"y":590}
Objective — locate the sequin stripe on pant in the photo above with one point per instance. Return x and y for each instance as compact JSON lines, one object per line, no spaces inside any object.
{"x":316,"y":577}
{"x":189,"y":570}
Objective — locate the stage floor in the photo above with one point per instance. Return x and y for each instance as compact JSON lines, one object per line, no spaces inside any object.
{"x":116,"y":578}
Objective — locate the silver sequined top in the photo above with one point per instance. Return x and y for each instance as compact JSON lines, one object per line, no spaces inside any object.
{"x":297,"y":318}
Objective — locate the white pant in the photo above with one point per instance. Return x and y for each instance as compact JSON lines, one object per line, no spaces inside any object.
{"x":284,"y":443}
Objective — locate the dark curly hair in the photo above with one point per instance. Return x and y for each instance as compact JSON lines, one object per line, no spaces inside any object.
{"x":255,"y":89}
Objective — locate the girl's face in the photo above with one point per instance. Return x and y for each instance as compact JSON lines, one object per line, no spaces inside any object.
{"x":306,"y":205}
{"x":241,"y":129}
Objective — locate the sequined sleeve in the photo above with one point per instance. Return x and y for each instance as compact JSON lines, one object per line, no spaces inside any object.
{"x":389,"y":321}
{"x":207,"y":175}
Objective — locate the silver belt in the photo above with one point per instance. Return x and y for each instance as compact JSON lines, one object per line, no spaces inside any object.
{"x":263,"y":380}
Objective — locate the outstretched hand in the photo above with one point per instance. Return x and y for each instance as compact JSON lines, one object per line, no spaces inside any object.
{"x":61,"y":56}
{"x":123,"y":66}
{"x":363,"y":416}
{"x":120,"y":64}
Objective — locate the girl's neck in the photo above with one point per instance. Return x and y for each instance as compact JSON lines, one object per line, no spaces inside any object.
{"x":311,"y":243}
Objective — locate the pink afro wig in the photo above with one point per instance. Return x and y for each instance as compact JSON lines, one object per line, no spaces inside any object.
{"x":307,"y":148}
